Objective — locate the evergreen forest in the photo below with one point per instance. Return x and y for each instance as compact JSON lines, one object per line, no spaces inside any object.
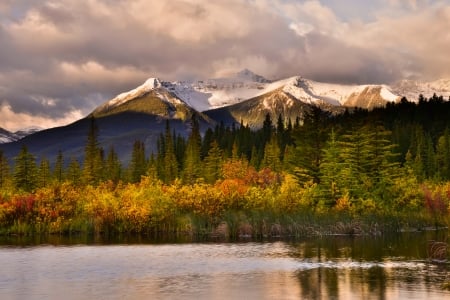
{"x":359,"y":172}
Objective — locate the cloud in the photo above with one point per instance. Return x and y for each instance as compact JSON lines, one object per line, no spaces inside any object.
{"x":15,"y":121}
{"x":66,"y":56}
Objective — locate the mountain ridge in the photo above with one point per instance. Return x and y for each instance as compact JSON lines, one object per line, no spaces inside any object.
{"x":143,"y":112}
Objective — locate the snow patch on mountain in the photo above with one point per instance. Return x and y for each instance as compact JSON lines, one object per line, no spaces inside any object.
{"x":218,"y":92}
{"x":214,"y":93}
{"x":412,"y":89}
{"x":387,"y":94}
{"x":149,"y":84}
{"x":8,"y":137}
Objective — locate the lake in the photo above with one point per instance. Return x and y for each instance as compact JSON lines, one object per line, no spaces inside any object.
{"x":330,"y":267}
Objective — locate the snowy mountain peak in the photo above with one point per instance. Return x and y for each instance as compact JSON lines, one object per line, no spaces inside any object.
{"x":147,"y":86}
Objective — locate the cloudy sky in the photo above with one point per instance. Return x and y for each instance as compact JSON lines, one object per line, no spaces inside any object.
{"x":59,"y":59}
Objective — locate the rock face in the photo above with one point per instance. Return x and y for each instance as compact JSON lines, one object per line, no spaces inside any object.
{"x":369,"y":98}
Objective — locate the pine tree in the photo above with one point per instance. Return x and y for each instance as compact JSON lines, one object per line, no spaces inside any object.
{"x":309,"y":141}
{"x":25,"y":170}
{"x":58,"y":170}
{"x":213,"y":163}
{"x":4,"y":170}
{"x":192,"y":163}
{"x":44,"y":174}
{"x":272,"y":155}
{"x":74,"y":172}
{"x":93,"y":159}
{"x":331,"y":168}
{"x":443,"y":155}
{"x":113,"y":168}
{"x":138,"y":165}
{"x":169,"y":160}
{"x":355,"y":152}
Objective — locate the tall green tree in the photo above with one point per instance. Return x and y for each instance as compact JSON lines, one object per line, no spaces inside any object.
{"x":138,"y":165}
{"x":58,"y":170}
{"x":192,"y":163}
{"x":74,"y":172}
{"x":113,"y":167}
{"x":25,"y":170}
{"x":443,"y":155}
{"x":93,"y":159}
{"x":213,"y":163}
{"x":331,"y":171}
{"x":4,"y":170}
{"x":169,"y":160}
{"x":272,"y":155}
{"x":309,"y":140}
{"x":44,"y":173}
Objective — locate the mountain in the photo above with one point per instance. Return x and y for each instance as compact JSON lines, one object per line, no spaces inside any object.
{"x":142,"y":113}
{"x":411,"y":89}
{"x":8,"y":137}
{"x":215,"y":93}
{"x":150,"y":98}
{"x":27,"y":131}
{"x":278,"y":102}
{"x":139,"y":114}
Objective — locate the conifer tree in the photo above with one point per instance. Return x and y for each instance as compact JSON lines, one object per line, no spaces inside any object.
{"x":74,"y":172}
{"x":4,"y":170}
{"x":44,"y":174}
{"x":93,"y":160}
{"x":169,"y":161}
{"x":213,"y":163}
{"x":152,"y":170}
{"x":192,"y":163}
{"x":138,"y":165}
{"x":25,"y":170}
{"x":443,"y":155}
{"x":113,"y":168}
{"x":309,"y":141}
{"x":58,"y":170}
{"x":272,"y":155}
{"x":331,"y":170}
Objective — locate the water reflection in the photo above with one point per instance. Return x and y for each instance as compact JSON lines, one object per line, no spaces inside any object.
{"x":314,"y":268}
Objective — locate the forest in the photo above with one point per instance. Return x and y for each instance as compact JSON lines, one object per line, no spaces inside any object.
{"x":360,"y":172}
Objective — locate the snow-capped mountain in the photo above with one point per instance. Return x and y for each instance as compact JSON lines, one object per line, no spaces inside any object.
{"x":209,"y":94}
{"x":411,"y":89}
{"x":8,"y":137}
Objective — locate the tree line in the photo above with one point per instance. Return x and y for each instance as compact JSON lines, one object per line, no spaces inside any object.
{"x":387,"y":159}
{"x":358,"y":146}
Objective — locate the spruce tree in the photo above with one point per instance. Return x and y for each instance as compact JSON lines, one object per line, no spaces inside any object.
{"x":44,"y":174}
{"x":272,"y":155}
{"x":213,"y":163}
{"x":58,"y":170}
{"x":169,"y":160}
{"x":443,"y":155}
{"x":331,"y":171}
{"x":309,"y":140}
{"x":93,"y":160}
{"x":4,"y":170}
{"x":113,"y":168}
{"x":138,"y":165}
{"x":25,"y":170}
{"x":74,"y":172}
{"x":192,"y":162}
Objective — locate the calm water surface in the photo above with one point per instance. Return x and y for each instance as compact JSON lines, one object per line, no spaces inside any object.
{"x":313,"y":268}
